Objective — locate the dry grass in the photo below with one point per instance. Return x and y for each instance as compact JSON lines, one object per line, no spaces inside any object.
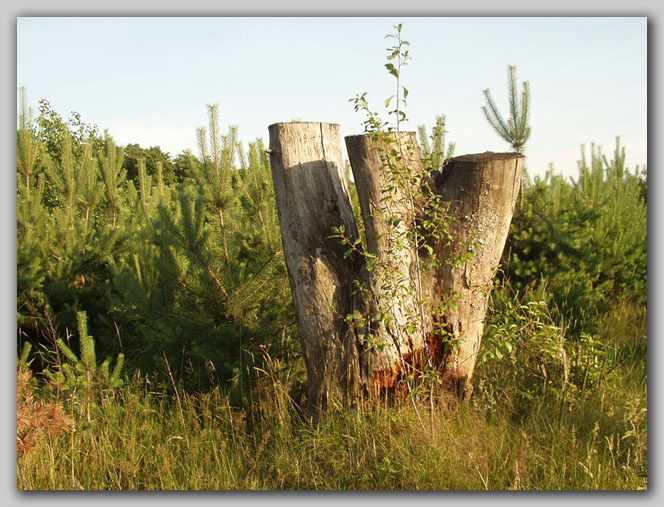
{"x":36,"y":419}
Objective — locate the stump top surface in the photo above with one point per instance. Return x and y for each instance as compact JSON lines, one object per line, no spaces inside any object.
{"x":487,"y":156}
{"x":371,"y":134}
{"x":302,"y":123}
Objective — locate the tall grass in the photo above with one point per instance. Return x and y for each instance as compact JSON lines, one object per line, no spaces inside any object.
{"x":143,"y":442}
{"x":141,"y":437}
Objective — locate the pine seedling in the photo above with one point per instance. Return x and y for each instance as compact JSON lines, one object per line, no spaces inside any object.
{"x":259,"y":192}
{"x":434,"y":152}
{"x":30,"y":153}
{"x":144,"y":186}
{"x":82,"y":373}
{"x":516,"y":130}
{"x":113,"y":175}
{"x":89,"y":190}
{"x":32,"y":253}
{"x":74,"y":179}
{"x":215,"y":175}
{"x":63,"y":174}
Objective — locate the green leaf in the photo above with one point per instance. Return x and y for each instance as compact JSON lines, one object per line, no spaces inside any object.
{"x":392,"y":69}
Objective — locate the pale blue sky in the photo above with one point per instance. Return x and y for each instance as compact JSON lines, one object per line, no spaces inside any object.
{"x":148,"y":80}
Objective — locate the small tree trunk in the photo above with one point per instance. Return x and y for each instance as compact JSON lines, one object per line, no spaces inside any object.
{"x":401,"y":322}
{"x":482,"y":190}
{"x":312,"y":199}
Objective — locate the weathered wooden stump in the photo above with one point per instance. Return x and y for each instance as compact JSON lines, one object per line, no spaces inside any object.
{"x":396,"y":329}
{"x":386,"y":200}
{"x":481,"y":190}
{"x":312,"y":199}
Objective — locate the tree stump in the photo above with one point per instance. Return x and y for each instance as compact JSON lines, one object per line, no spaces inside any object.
{"x":401,"y":323}
{"x":481,"y":190}
{"x":312,"y":199}
{"x":363,"y":331}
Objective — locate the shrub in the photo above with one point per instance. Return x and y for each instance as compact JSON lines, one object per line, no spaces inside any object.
{"x":585,"y":240}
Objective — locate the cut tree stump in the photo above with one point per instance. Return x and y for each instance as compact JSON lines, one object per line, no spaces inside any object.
{"x":312,"y":199}
{"x":481,"y":190}
{"x":402,"y":323}
{"x":364,"y":332}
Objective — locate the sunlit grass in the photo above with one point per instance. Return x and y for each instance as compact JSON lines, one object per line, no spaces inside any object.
{"x":139,"y":439}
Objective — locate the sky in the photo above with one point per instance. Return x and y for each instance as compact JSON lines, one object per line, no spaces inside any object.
{"x":149,"y":80}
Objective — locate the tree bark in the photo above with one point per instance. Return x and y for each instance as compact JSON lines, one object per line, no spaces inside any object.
{"x":312,"y":199}
{"x":401,"y":322}
{"x":481,"y":190}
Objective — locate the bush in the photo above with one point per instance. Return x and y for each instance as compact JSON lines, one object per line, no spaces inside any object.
{"x":189,"y":271}
{"x":585,"y":240}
